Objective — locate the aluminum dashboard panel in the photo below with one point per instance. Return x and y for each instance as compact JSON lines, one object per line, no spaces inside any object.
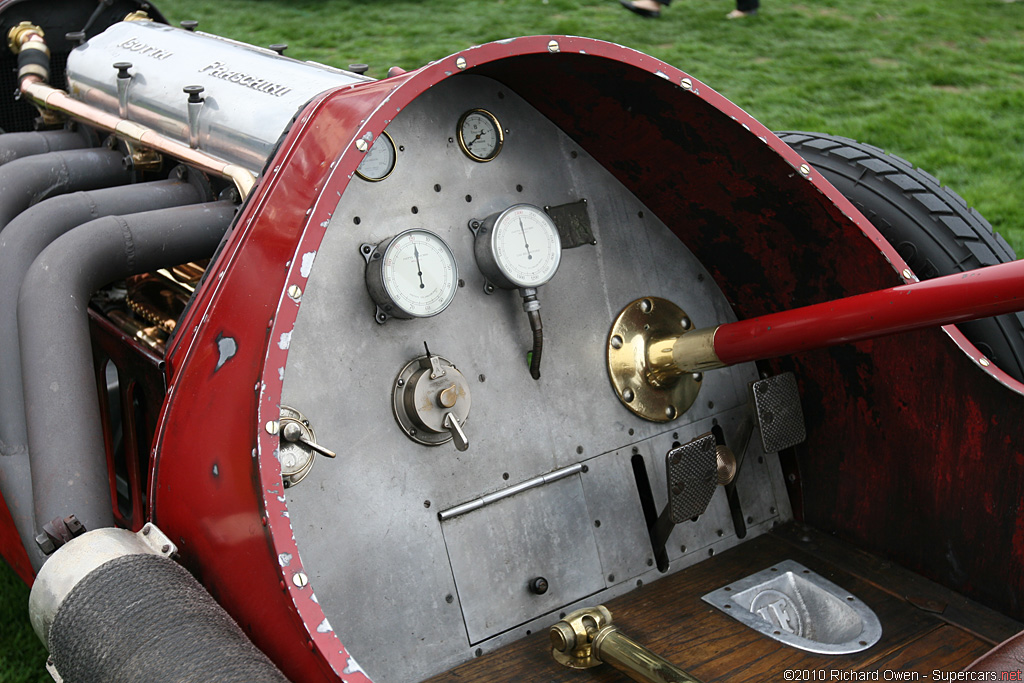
{"x":367,"y":521}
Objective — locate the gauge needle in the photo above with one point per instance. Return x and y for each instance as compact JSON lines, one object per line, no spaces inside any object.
{"x":419,"y":270}
{"x":529,"y":256}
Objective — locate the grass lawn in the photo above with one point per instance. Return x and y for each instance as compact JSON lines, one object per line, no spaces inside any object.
{"x":938,"y":82}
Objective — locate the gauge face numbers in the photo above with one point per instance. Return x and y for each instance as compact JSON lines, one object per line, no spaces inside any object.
{"x":526,"y":246}
{"x":418,"y":275}
{"x":379,"y":161}
{"x":480,"y":135}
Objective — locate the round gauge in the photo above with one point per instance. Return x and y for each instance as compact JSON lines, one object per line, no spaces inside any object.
{"x":480,"y":135}
{"x":520,"y":248}
{"x":380,"y":159}
{"x":412,"y":275}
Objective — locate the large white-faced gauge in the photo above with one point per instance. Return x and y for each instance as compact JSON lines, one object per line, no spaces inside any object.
{"x":518,"y":248}
{"x":380,"y":159}
{"x":411,"y":275}
{"x":480,"y":135}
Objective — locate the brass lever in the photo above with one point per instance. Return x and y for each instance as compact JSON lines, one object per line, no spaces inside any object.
{"x":587,"y":638}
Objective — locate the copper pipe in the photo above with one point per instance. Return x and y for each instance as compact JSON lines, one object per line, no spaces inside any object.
{"x":45,"y":96}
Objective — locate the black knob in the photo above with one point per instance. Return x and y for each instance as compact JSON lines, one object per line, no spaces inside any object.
{"x":193,"y":92}
{"x":279,"y":48}
{"x":358,"y":68}
{"x":75,"y":37}
{"x":539,"y":586}
{"x":122,"y":69}
{"x":190,"y":24}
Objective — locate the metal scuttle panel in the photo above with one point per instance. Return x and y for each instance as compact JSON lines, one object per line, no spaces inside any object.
{"x":265,"y":90}
{"x":367,"y":522}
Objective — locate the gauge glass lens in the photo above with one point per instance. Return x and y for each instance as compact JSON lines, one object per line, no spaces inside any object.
{"x":480,"y":135}
{"x":526,"y":245}
{"x":419,"y":273}
{"x":379,"y":161}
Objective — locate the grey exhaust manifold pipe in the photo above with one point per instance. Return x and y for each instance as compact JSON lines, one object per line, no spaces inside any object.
{"x":20,"y":243}
{"x":65,"y":437}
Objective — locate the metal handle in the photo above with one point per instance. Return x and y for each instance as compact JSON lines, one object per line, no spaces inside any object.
{"x":587,"y":638}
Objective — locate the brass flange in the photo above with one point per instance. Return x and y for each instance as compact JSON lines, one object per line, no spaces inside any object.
{"x":640,"y":360}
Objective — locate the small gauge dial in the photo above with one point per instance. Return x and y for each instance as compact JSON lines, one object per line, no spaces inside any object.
{"x":480,"y":135}
{"x":380,"y":159}
{"x":520,"y":248}
{"x":411,"y":275}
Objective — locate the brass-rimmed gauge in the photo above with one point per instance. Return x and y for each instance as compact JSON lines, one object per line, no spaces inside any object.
{"x":411,"y":275}
{"x":480,"y":136}
{"x":380,"y":159}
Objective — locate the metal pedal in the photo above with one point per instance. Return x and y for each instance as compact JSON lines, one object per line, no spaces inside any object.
{"x":692,"y":474}
{"x":777,"y":405}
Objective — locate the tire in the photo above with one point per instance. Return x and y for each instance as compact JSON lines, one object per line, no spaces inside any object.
{"x":930,"y":226}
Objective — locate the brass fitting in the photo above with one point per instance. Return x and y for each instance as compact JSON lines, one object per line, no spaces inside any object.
{"x":22,"y":33}
{"x":138,"y":15}
{"x":587,"y":638}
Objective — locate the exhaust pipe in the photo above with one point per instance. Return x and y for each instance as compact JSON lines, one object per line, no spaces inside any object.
{"x":30,"y":180}
{"x":17,"y":145}
{"x":68,"y":454}
{"x":20,"y":243}
{"x":112,"y":606}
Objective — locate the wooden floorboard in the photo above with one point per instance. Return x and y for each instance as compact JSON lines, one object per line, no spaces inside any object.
{"x":669,"y":617}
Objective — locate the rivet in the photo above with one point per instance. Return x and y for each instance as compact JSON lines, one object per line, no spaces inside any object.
{"x":616,"y":342}
{"x":300,"y":579}
{"x":907,"y":274}
{"x":805,"y":169}
{"x":273,"y":427}
{"x":553,"y":46}
{"x":685,"y":323}
{"x":295,"y":292}
{"x":165,"y":548}
{"x":687,"y":84}
{"x":698,"y":376}
{"x":627,"y":395}
{"x":361,"y":145}
{"x":984,"y":362}
{"x":461,"y":62}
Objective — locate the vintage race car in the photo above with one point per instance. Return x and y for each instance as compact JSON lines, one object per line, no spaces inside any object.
{"x":454,"y":374}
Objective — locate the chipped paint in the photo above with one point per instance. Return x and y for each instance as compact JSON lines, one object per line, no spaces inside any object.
{"x":227,"y":348}
{"x":324,"y":627}
{"x":307,"y":258}
{"x":284,"y":559}
{"x":285,"y":341}
{"x":353,"y":667}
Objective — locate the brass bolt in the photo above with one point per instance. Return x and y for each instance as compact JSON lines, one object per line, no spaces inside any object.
{"x":361,"y":145}
{"x":460,"y":62}
{"x":295,"y":292}
{"x":553,"y":46}
{"x":687,"y":84}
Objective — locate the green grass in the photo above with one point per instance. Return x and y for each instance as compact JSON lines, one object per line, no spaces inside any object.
{"x":938,"y":82}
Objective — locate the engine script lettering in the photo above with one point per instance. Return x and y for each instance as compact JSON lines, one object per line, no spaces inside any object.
{"x":222,"y":71}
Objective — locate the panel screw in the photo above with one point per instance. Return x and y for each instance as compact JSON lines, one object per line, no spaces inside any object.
{"x":460,"y":63}
{"x":295,"y":292}
{"x":686,"y":83}
{"x":539,"y":586}
{"x":361,"y":145}
{"x":907,"y":274}
{"x":984,"y":362}
{"x":273,"y":427}
{"x":300,"y":579}
{"x":805,"y":169}
{"x":553,"y":46}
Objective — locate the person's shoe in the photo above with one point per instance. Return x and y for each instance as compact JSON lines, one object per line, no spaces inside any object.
{"x":737,"y":14}
{"x":649,"y":13}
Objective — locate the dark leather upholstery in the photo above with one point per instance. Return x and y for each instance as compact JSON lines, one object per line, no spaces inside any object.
{"x":1007,"y":656}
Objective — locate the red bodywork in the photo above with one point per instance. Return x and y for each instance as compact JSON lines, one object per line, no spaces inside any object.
{"x":913,"y":450}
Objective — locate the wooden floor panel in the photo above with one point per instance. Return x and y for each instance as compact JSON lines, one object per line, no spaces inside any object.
{"x":669,"y":617}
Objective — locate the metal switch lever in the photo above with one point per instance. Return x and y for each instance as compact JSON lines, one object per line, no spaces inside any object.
{"x":458,"y":436}
{"x":292,"y":432}
{"x":587,"y":638}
